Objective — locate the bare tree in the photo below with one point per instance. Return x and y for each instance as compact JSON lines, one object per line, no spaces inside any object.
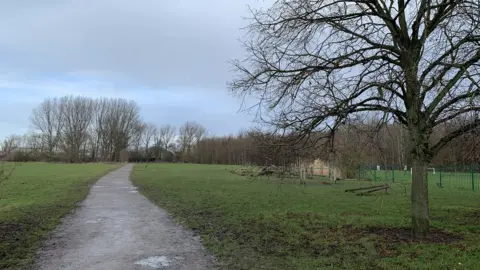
{"x":86,"y":129}
{"x":9,"y":145}
{"x":313,"y":62}
{"x":148,"y":135}
{"x":47,"y":118}
{"x":77,"y":117}
{"x":164,"y":137}
{"x":188,"y":134}
{"x":123,"y":118}
{"x":176,"y":151}
{"x":199,"y":135}
{"x":34,"y":143}
{"x":100,"y":138}
{"x":137,"y":136}
{"x":7,"y":149}
{"x":117,"y":124}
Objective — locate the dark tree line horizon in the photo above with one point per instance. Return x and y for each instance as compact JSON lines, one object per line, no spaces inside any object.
{"x":82,"y":129}
{"x":64,"y":131}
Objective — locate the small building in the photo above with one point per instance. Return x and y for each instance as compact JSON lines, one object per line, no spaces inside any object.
{"x":320,"y":167}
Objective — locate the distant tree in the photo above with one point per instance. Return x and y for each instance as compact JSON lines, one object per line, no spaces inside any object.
{"x":175,"y":150}
{"x":9,"y":145}
{"x":189,"y":132}
{"x":77,"y":117}
{"x":163,"y":137}
{"x":48,"y":119}
{"x":148,"y":135}
{"x":117,"y":126}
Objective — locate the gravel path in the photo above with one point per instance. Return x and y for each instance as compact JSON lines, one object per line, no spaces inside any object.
{"x":117,"y":228}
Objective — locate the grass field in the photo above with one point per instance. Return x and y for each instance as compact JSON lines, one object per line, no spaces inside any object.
{"x":33,"y":201}
{"x":263,"y":224}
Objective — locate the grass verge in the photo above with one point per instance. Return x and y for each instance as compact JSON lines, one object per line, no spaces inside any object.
{"x":264,"y":224}
{"x":33,"y":201}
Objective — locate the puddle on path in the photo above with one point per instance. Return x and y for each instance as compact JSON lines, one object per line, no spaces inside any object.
{"x":154,"y":262}
{"x":93,"y":221}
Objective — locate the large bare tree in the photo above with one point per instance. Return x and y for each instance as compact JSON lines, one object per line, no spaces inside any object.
{"x":117,"y":124}
{"x":315,"y":62}
{"x":47,"y":118}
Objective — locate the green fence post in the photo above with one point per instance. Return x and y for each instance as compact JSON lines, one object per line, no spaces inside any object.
{"x":359,"y":172}
{"x":375,"y":175}
{"x":473,"y":179}
{"x":440,"y":173}
{"x":393,"y":173}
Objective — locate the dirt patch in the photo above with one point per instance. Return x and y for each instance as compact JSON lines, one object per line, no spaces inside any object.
{"x":390,"y":237}
{"x":14,"y":232}
{"x":458,"y":217}
{"x":9,"y":231}
{"x":473,"y":217}
{"x":311,"y":221}
{"x":403,"y":235}
{"x":308,"y":234}
{"x":385,"y":237}
{"x":12,"y":236}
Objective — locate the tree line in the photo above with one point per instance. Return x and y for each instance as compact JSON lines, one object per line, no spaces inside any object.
{"x":357,"y":143}
{"x":82,"y":129}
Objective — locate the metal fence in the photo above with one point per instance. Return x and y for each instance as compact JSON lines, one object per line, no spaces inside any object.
{"x":448,"y":176}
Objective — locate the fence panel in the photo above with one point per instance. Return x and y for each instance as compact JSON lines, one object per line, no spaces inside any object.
{"x":460,"y":176}
{"x":448,"y":176}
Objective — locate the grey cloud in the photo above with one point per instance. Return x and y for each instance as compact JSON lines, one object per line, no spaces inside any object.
{"x":177,"y":49}
{"x":156,"y":43}
{"x":217,"y":123}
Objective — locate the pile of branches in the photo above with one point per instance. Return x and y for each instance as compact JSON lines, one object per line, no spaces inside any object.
{"x":272,"y":170}
{"x":246,"y":171}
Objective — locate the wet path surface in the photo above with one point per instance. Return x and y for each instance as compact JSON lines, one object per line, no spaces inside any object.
{"x":117,"y":228}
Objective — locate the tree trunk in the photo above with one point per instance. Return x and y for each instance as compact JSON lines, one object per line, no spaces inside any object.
{"x":332,"y":166}
{"x":420,"y":212}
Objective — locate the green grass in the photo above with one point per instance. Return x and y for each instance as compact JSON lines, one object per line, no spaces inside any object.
{"x":263,"y":224}
{"x":33,"y":201}
{"x":459,"y":180}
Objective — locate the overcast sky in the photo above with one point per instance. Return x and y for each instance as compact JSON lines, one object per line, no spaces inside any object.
{"x":171,"y":57}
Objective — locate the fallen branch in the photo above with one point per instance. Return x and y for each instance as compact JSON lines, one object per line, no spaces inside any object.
{"x":385,"y":187}
{"x":364,"y":188}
